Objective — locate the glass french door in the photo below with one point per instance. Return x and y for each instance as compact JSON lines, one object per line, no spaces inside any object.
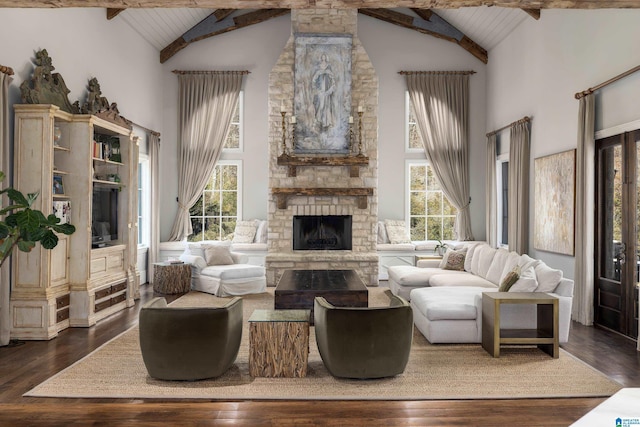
{"x":617,"y":260}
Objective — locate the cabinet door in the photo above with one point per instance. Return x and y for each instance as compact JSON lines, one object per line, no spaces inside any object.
{"x":60,"y":261}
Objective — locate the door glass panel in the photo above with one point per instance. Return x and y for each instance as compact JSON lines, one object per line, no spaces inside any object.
{"x":611,"y":218}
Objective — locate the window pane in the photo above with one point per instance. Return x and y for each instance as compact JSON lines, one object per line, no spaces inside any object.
{"x":196,"y":209}
{"x":434,"y":203}
{"x":228,"y":226}
{"x":229,"y":177}
{"x":432,"y":182}
{"x":196,"y":224}
{"x":447,"y":207}
{"x":434,"y":228}
{"x":447,"y":228}
{"x":418,"y":203}
{"x":414,"y":137}
{"x":418,"y":228}
{"x":418,"y":177}
{"x":233,"y":138}
{"x":212,"y":203}
{"x":212,"y":229}
{"x":229,"y":203}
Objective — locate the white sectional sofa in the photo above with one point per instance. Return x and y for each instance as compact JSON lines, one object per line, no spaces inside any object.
{"x":447,"y":304}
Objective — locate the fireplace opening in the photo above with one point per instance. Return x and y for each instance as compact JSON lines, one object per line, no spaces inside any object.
{"x":321,"y":232}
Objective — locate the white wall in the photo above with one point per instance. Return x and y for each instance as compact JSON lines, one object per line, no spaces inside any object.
{"x":84,"y":44}
{"x":257,"y":48}
{"x":539,"y":67}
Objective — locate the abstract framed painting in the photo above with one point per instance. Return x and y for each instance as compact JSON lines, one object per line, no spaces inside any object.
{"x":555,"y":201}
{"x":322,"y":93}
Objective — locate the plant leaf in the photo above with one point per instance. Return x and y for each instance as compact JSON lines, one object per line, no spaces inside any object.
{"x":18,"y":197}
{"x":28,"y":220}
{"x":26,"y":245}
{"x":49,"y":240}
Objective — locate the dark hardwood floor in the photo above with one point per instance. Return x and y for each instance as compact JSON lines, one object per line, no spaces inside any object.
{"x":26,"y":364}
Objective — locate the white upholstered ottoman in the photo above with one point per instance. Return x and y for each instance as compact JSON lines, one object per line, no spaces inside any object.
{"x":448,"y":314}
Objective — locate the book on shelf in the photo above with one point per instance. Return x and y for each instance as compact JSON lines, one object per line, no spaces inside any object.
{"x":62,"y":210}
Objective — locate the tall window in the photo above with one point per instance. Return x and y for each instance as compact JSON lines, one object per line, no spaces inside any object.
{"x":214,"y":215}
{"x":431,"y":215}
{"x":502,"y":181}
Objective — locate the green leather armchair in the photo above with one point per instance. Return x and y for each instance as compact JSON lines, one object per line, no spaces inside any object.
{"x":191,"y":343}
{"x":368,"y":342}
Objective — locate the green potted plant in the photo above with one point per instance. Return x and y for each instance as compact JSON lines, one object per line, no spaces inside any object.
{"x":441,"y":247}
{"x":23,"y":227}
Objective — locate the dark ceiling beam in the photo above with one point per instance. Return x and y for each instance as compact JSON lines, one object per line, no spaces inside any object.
{"x":212,"y":26}
{"x":112,"y":13}
{"x":534,"y":13}
{"x":434,"y":26}
{"x":327,"y":4}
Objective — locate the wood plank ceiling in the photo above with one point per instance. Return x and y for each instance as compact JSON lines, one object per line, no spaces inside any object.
{"x":171,"y":25}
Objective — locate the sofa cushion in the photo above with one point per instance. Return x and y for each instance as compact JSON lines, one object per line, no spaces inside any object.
{"x":526,"y":282}
{"x":425,"y":245}
{"x":446,"y":303}
{"x":261,"y":232}
{"x":235,"y":271}
{"x":245,"y":231}
{"x":471,"y":249}
{"x":217,"y":254}
{"x":526,"y":261}
{"x":497,"y":265}
{"x":462,"y":279}
{"x":410,"y":276}
{"x":397,"y":231}
{"x":382,"y":233}
{"x":512,"y":261}
{"x":548,"y":278}
{"x":396,"y":247}
{"x":482,"y":258}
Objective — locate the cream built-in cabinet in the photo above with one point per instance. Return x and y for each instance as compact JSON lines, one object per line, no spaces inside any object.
{"x":75,"y":284}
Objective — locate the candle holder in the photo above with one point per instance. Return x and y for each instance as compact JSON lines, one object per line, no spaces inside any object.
{"x":293,"y":136}
{"x":284,"y":133}
{"x":350,"y":138}
{"x":360,"y":133}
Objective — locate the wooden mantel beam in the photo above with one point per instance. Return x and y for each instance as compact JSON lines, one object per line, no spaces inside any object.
{"x":434,"y":26}
{"x":326,"y":4}
{"x":217,"y":23}
{"x":112,"y":13}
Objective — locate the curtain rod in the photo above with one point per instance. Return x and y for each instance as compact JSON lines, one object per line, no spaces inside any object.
{"x":6,"y":70}
{"x":211,"y":72}
{"x":608,"y":82}
{"x":436,"y":72}
{"x":525,"y":119}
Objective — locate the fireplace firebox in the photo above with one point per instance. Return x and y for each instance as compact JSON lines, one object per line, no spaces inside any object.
{"x":321,"y":232}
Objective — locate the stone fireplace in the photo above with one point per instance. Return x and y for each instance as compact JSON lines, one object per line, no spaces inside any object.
{"x":337,"y":186}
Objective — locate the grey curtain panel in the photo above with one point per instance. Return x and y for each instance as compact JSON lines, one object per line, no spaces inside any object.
{"x":441,"y":104}
{"x":490,"y":192}
{"x":519,"y":166}
{"x":206,"y":106}
{"x":154,"y":166}
{"x":585,"y":221}
{"x":5,"y":286}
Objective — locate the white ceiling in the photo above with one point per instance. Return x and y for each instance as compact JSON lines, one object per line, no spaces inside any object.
{"x":487,"y":26}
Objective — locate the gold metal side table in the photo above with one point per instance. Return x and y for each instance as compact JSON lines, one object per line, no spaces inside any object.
{"x":545,"y":335}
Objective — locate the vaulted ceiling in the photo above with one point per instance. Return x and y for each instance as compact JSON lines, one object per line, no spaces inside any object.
{"x":475,"y":25}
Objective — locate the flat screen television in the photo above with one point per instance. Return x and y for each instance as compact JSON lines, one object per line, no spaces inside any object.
{"x":104,"y":217}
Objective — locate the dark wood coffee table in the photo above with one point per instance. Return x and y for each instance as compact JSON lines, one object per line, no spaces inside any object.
{"x":297,"y":289}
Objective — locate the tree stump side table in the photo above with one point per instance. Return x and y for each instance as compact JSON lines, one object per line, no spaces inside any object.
{"x":171,"y":278}
{"x":278,"y":343}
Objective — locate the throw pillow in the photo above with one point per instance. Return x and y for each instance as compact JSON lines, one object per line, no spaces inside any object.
{"x":245,"y":231}
{"x":397,"y":231}
{"x":455,"y":259}
{"x":509,"y":279}
{"x":217,"y":254}
{"x":262,"y":232}
{"x":382,"y":233}
{"x":526,"y":282}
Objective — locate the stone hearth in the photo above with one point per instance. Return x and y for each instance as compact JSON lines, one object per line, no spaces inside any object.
{"x":364,"y":92}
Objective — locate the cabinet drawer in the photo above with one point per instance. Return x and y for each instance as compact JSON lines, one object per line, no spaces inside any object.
{"x":63,"y":301}
{"x":119,"y":287}
{"x":103,"y":293}
{"x":62,"y":315}
{"x":118,"y":298}
{"x":102,"y":305}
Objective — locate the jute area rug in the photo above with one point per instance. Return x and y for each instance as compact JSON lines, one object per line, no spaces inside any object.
{"x":463,"y":371}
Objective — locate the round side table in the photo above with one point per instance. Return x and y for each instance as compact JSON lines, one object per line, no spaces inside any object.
{"x":171,"y":278}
